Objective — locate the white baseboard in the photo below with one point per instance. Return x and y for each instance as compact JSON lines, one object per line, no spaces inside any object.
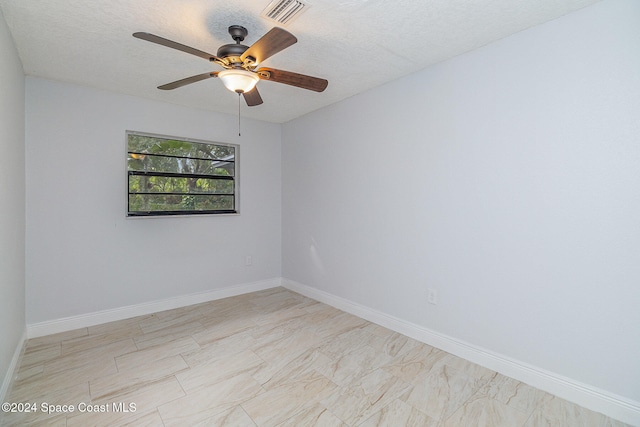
{"x":614,"y":406}
{"x":99,"y":317}
{"x":13,"y":368}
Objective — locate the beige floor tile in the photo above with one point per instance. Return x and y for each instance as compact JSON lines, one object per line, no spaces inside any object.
{"x":215,"y":370}
{"x":206,"y":403}
{"x":513,"y":393}
{"x":346,"y":342}
{"x":55,"y":338}
{"x":40,"y":354}
{"x":90,"y":342}
{"x":338,"y":324}
{"x":152,"y":419}
{"x":288,"y":345}
{"x":365,"y":396}
{"x":90,"y":357}
{"x":228,"y":308}
{"x":56,"y":421}
{"x":315,"y":415}
{"x":417,"y":363}
{"x":220,"y":328}
{"x":378,"y":330}
{"x":314,"y":306}
{"x":281,"y":299}
{"x":145,"y":398}
{"x":539,"y":418}
{"x":479,"y":372}
{"x":43,"y":399}
{"x":271,"y":358}
{"x":27,"y":375}
{"x":136,"y":359}
{"x":485,"y":412}
{"x":284,"y":401}
{"x":234,"y":417}
{"x":79,"y":374}
{"x":287,"y":369}
{"x":130,"y":325}
{"x":223,"y":347}
{"x":271,"y":331}
{"x":442,"y":392}
{"x":129,"y":380}
{"x":395,"y":345}
{"x":398,"y":413}
{"x":324,"y":311}
{"x":168,"y":334}
{"x":557,"y":411}
{"x":78,"y":367}
{"x":169,"y":319}
{"x":58,"y":396}
{"x":180,"y":312}
{"x":348,"y":367}
{"x":50,"y":383}
{"x":280,"y":316}
{"x":116,"y":419}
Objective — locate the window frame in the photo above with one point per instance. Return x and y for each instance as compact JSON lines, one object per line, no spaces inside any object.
{"x":198,"y":213}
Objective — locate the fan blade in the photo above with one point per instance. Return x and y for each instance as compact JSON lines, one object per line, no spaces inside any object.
{"x":188,"y":80}
{"x":174,"y":45}
{"x":293,"y":79}
{"x":252,"y":97}
{"x":271,"y":43}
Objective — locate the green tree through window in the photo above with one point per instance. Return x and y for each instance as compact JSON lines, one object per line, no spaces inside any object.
{"x":171,"y":176}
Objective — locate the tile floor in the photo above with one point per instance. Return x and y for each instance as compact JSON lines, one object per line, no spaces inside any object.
{"x":269,"y":358}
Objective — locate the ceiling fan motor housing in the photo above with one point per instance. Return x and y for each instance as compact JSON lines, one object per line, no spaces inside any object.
{"x":233,"y":49}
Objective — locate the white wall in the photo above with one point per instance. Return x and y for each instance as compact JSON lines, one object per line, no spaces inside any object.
{"x":12,"y":202}
{"x":84,"y":256}
{"x":507,"y":178}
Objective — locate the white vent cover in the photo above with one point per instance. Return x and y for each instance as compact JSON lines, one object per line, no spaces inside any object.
{"x":284,"y":11}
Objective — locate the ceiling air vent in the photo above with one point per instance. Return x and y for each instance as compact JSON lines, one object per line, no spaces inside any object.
{"x":284,"y":11}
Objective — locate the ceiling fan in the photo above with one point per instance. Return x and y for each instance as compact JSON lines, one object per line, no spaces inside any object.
{"x":240,"y":63}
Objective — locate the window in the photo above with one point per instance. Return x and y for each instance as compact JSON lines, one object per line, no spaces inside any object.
{"x":176,"y":176}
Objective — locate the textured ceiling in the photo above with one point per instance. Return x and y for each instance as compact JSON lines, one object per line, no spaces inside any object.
{"x":355,"y":44}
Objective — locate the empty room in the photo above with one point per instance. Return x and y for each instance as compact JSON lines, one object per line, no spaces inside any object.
{"x":320,"y":213}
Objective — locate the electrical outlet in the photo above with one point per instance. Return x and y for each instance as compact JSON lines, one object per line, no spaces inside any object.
{"x":248,"y":261}
{"x":432,"y":296}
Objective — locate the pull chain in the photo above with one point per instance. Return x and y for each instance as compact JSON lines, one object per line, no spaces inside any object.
{"x":238,"y":113}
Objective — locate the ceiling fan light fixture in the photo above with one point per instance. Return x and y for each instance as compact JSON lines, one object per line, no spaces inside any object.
{"x":239,"y":81}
